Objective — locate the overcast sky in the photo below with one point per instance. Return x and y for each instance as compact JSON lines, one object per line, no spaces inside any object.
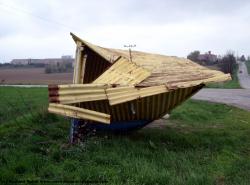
{"x":40,"y":28}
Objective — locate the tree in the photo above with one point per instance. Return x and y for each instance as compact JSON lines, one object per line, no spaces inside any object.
{"x":242,"y":58}
{"x":194,"y":56}
{"x":228,"y":62}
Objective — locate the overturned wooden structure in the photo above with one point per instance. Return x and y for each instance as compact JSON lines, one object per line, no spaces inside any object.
{"x":115,"y":90}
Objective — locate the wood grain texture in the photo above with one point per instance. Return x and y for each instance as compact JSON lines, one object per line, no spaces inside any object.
{"x":123,"y":72}
{"x":120,"y":90}
{"x":80,"y":113}
{"x":168,"y":70}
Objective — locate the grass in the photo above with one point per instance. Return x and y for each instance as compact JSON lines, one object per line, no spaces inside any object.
{"x":202,"y":143}
{"x":248,"y":66}
{"x":233,"y":84}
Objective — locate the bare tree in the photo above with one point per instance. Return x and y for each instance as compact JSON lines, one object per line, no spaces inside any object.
{"x":228,"y":62}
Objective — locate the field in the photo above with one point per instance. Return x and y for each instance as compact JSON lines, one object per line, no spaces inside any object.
{"x":36,"y":76}
{"x":33,"y":76}
{"x":201,"y":143}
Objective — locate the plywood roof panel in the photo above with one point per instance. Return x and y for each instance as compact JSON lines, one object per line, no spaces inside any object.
{"x":123,"y":72}
{"x":168,"y":70}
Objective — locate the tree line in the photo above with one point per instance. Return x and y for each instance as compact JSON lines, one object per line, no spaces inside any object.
{"x":226,"y":63}
{"x":62,"y":67}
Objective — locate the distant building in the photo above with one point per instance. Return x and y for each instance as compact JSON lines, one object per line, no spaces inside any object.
{"x":65,"y":58}
{"x":208,"y":57}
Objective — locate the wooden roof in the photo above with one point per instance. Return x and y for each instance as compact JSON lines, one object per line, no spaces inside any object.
{"x":147,"y":69}
{"x":123,"y":72}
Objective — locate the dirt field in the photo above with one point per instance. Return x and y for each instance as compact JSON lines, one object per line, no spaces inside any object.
{"x":33,"y":76}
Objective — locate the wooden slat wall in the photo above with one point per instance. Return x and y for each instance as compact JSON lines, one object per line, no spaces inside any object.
{"x":156,"y":75}
{"x":99,"y":106}
{"x":95,"y":66}
{"x":75,"y":93}
{"x":151,"y":107}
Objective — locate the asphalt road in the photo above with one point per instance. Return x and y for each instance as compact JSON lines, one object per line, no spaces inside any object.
{"x":243,"y":76}
{"x":236,"y":97}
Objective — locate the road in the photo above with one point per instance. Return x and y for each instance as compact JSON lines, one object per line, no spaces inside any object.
{"x":236,"y":97}
{"x":244,"y":78}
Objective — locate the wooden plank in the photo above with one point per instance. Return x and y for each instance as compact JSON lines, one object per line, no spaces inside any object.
{"x":73,"y":86}
{"x":123,"y":72}
{"x":75,"y":64}
{"x":80,"y":113}
{"x":135,"y":93}
{"x":80,"y":91}
{"x":99,"y":51}
{"x":78,"y":58}
{"x":120,"y":89}
{"x":218,"y":78}
{"x":82,"y":74}
{"x":81,"y":98}
{"x":77,"y":93}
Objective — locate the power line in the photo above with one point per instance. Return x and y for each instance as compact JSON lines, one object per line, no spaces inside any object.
{"x":36,"y":16}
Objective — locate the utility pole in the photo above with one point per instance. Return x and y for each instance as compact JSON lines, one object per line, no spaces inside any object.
{"x":129,"y":50}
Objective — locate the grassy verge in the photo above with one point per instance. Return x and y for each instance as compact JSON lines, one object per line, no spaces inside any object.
{"x":248,"y":66}
{"x":233,"y":84}
{"x":202,"y":143}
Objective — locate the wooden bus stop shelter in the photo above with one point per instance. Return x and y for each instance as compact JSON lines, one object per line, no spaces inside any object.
{"x":116,"y":90}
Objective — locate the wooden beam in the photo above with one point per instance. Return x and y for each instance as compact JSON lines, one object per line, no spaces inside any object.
{"x":78,"y":63}
{"x":77,"y":93}
{"x":82,"y":73}
{"x":79,"y":113}
{"x":121,"y":95}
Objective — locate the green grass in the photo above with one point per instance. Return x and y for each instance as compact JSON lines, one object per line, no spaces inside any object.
{"x":202,"y":143}
{"x":16,"y":102}
{"x":248,"y":66}
{"x":232,"y":84}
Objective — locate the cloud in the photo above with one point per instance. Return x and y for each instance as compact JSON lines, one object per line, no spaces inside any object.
{"x":40,"y":29}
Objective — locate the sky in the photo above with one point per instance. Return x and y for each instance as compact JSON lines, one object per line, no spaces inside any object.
{"x":40,"y":28}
